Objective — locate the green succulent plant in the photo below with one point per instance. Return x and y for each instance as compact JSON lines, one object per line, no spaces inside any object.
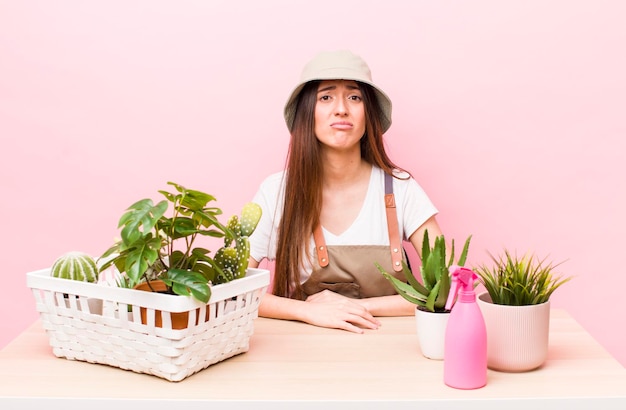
{"x":231,"y":260}
{"x":75,"y":265}
{"x":432,"y":292}
{"x":156,"y":246}
{"x":519,"y":281}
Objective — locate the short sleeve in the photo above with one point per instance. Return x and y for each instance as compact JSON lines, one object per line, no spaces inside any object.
{"x":270,"y":198}
{"x":415,"y":205}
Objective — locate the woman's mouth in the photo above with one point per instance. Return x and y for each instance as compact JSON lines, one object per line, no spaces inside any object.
{"x":341,"y":125}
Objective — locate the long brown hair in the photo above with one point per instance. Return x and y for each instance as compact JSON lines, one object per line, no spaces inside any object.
{"x":303,"y":184}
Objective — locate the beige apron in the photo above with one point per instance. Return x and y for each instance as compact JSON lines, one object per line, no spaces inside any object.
{"x":350,"y":270}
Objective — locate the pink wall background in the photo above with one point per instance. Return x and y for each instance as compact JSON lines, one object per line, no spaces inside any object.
{"x":510,"y":114}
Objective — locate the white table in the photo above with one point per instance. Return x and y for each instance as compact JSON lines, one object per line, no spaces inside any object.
{"x":293,"y":365}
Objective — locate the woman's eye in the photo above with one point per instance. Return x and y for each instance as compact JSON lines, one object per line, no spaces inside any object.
{"x":355,"y":98}
{"x":325,"y":98}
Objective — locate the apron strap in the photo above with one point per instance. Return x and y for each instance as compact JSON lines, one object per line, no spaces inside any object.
{"x":320,"y":246}
{"x":392,"y":224}
{"x":392,"y":227}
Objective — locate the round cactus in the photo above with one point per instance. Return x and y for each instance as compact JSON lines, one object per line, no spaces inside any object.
{"x":76,"y":266}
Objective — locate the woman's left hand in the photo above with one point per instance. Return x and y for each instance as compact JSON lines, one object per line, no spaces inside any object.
{"x":344,"y":309}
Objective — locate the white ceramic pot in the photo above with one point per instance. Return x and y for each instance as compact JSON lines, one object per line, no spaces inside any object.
{"x":517,"y":336}
{"x":431,"y":332}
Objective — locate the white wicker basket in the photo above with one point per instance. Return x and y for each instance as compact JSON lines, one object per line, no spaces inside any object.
{"x":100,"y":323}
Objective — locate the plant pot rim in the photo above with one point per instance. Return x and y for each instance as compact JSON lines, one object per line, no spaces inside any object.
{"x":484,"y":298}
{"x":157,"y":284}
{"x":419,"y":308}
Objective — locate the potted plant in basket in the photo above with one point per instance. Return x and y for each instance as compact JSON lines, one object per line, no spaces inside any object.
{"x":430,"y":295}
{"x":160,"y":253}
{"x":217,"y":294}
{"x":516,"y":308}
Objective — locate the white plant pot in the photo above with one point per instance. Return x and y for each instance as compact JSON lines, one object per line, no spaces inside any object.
{"x":431,"y":332}
{"x":517,"y":336}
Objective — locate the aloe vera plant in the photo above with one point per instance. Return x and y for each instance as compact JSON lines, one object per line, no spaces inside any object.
{"x":432,"y":292}
{"x":519,"y":281}
{"x":156,"y":246}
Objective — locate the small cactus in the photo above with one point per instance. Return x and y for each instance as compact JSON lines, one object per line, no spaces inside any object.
{"x":226,"y":259}
{"x":233,"y":261}
{"x":250,"y":216}
{"x":76,"y":266}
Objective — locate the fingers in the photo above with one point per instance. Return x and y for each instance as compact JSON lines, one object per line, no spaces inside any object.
{"x":363,"y":322}
{"x":325,"y":296}
{"x":341,"y":314}
{"x":350,"y":327}
{"x":360,"y":316}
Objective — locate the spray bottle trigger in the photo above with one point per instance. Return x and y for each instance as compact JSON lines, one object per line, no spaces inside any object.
{"x":454,"y":285}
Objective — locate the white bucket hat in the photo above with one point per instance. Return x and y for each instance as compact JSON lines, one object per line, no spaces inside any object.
{"x":338,"y":65}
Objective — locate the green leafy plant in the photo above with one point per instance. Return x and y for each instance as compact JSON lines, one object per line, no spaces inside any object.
{"x":519,"y":281}
{"x":156,"y":246}
{"x":432,"y":293}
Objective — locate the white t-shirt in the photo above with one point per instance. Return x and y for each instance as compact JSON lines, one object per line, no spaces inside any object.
{"x":413,"y":208}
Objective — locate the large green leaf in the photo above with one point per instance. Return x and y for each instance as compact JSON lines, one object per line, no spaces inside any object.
{"x":406,"y":291}
{"x":184,"y":282}
{"x":140,"y":218}
{"x":425,"y":246}
{"x":196,"y":200}
{"x":429,"y":270}
{"x":144,"y":252}
{"x":430,"y":301}
{"x":413,"y":280}
{"x":182,"y":227}
{"x":443,"y":290}
{"x":463,"y":257}
{"x":439,"y":253}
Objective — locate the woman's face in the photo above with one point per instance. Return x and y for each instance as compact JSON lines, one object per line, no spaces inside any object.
{"x":339,"y":114}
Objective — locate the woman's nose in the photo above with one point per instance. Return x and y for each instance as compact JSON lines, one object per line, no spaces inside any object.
{"x":341,"y":107}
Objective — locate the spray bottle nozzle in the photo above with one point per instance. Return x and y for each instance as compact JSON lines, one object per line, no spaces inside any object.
{"x":461,"y":279}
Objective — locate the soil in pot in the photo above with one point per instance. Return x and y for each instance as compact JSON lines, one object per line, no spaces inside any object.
{"x":179,"y":319}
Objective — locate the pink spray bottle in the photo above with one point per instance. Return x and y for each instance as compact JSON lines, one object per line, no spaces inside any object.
{"x":465,"y":348}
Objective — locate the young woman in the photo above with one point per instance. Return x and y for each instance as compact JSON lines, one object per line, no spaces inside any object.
{"x":340,"y":206}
